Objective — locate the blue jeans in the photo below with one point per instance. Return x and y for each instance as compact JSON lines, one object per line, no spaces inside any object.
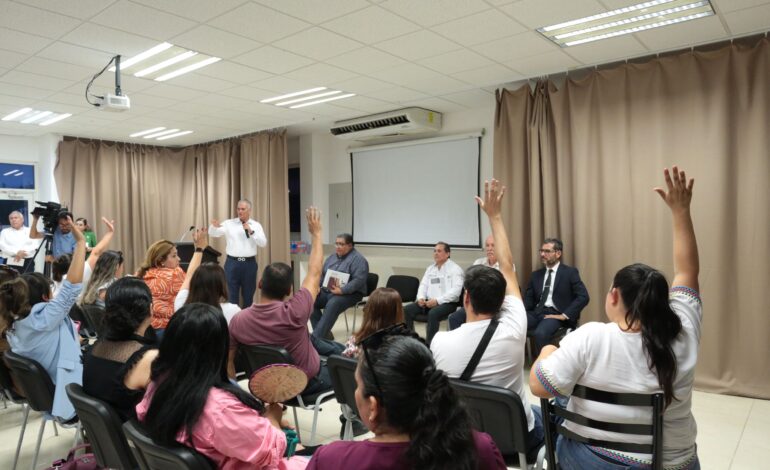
{"x":332,"y":306}
{"x":575,"y":455}
{"x":241,"y":279}
{"x":457,"y":318}
{"x":535,"y":437}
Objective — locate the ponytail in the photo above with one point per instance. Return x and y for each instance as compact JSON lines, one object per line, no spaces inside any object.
{"x":14,"y":302}
{"x":645,"y":292}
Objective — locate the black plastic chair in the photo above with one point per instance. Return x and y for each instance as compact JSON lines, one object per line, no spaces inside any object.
{"x":39,"y":389}
{"x":9,"y":393}
{"x":86,"y":329}
{"x":343,"y":373}
{"x":407,"y":286}
{"x":371,"y":284}
{"x":153,"y":456}
{"x":654,"y":429}
{"x":104,"y":429}
{"x":94,"y":314}
{"x":260,"y":355}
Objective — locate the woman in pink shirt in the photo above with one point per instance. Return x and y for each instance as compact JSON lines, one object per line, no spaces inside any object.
{"x":191,"y":401}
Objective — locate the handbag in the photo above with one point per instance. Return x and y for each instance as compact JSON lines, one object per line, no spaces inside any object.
{"x":86,"y":461}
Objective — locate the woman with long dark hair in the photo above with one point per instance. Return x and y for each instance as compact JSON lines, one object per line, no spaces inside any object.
{"x":191,"y":400}
{"x":649,"y":346}
{"x":414,"y":413}
{"x":383,"y":309}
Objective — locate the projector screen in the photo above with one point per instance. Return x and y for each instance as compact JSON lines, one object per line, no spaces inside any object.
{"x":417,"y":193}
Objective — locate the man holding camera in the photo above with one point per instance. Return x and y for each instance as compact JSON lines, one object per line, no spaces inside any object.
{"x":15,"y":244}
{"x":63,"y":240}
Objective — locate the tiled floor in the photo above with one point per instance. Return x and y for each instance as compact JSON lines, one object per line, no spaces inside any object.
{"x":733,"y":432}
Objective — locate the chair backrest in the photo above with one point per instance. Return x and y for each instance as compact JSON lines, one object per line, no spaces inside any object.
{"x":104,"y":429}
{"x":33,"y":380}
{"x":371,"y":283}
{"x":260,"y":355}
{"x":86,"y":329}
{"x":7,"y":385}
{"x":407,"y":286}
{"x":654,"y":429}
{"x":94,"y":314}
{"x":343,"y":374}
{"x":153,"y":456}
{"x":496,"y":411}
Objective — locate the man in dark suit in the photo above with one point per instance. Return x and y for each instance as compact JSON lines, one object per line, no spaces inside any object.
{"x":555,"y":295}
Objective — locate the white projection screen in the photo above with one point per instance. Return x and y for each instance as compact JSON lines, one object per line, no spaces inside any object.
{"x":417,"y":193}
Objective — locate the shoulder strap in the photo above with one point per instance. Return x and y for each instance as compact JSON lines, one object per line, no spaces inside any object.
{"x":474,"y":362}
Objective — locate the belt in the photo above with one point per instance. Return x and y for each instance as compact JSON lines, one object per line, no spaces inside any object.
{"x":241,"y":258}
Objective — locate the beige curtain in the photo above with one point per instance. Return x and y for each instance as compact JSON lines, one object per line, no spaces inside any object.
{"x":582,"y":161}
{"x":159,"y":192}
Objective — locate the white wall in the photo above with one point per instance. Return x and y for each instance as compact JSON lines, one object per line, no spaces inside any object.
{"x":325,"y":160}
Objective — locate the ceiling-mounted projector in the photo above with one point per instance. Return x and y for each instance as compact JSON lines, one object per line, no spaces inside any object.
{"x":109,"y":102}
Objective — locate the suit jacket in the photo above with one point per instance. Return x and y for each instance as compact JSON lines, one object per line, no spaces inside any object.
{"x":570,"y":295}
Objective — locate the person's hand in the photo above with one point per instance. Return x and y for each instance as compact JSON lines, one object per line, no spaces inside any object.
{"x":109,"y":223}
{"x":335,"y":290}
{"x":216,"y":223}
{"x":430,"y":303}
{"x":560,"y":317}
{"x":493,"y":196}
{"x":20,"y":254}
{"x":274,"y":412}
{"x":76,"y":233}
{"x":679,"y":191}
{"x":421,"y":302}
{"x":200,"y":239}
{"x":247,"y":227}
{"x":49,"y":258}
{"x":313,"y":216}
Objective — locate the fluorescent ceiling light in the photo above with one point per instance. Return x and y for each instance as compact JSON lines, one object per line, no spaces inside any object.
{"x":338,"y":97}
{"x":143,"y":55}
{"x":158,"y":134}
{"x":165,"y":63}
{"x":16,"y":114}
{"x":54,"y":119}
{"x":628,"y":20}
{"x":187,"y":69}
{"x":36,"y":117}
{"x":10,"y":172}
{"x":145,"y":132}
{"x":171,"y":136}
{"x":296,"y":93}
{"x":310,"y":97}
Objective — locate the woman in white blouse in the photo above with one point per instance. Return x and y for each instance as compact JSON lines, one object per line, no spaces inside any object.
{"x":649,"y":346}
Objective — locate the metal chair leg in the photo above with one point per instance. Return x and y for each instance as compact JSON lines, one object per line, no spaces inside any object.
{"x":37,"y":446}
{"x":296,"y":423}
{"x":78,"y":435}
{"x":55,"y":429}
{"x":25,"y":407}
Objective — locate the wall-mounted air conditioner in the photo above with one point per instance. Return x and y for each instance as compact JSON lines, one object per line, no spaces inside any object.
{"x":392,"y":123}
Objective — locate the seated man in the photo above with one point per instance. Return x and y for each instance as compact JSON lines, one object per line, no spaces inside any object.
{"x":16,"y":246}
{"x":496,"y":314}
{"x":555,"y":295}
{"x":334,"y":298}
{"x":280,"y":321}
{"x":439,"y":291}
{"x":490,"y":260}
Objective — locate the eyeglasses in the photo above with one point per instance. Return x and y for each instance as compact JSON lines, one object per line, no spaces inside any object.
{"x":374,"y":341}
{"x":340,"y":244}
{"x":547,"y":251}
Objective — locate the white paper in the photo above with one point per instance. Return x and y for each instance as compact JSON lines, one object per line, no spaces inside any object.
{"x":335,"y":279}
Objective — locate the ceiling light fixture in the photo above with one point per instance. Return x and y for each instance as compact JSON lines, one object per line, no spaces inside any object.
{"x":296,"y":93}
{"x":165,"y":63}
{"x":17,"y":114}
{"x":36,"y":117}
{"x":188,"y":68}
{"x":158,"y":134}
{"x":54,"y":119}
{"x":145,"y":132}
{"x":339,"y":97}
{"x":143,"y":55}
{"x":171,"y":136}
{"x":305,"y":98}
{"x":627,"y":20}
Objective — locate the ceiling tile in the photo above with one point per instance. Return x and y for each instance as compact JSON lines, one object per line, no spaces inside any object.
{"x":365,"y":104}
{"x":198,"y":10}
{"x":233,"y":72}
{"x":418,"y":45}
{"x":399,"y":95}
{"x":17,"y":41}
{"x":489,"y":75}
{"x":316,"y":11}
{"x":58,"y":107}
{"x":72,"y":99}
{"x":249,"y":93}
{"x":167,"y":90}
{"x":142,"y":20}
{"x":317,"y":43}
{"x":72,"y":54}
{"x":273,"y":60}
{"x":422,"y":79}
{"x":685,"y":34}
{"x":725,"y":6}
{"x":85,"y":8}
{"x":42,"y":22}
{"x":282,"y":85}
{"x":436,"y":104}
{"x":371,"y":25}
{"x":607,"y":50}
{"x":215,"y":42}
{"x":366,"y":60}
{"x":455,"y":61}
{"x":54,"y":68}
{"x":361,"y":85}
{"x":201,"y":82}
{"x":23,"y":91}
{"x":109,"y":40}
{"x":536,"y":13}
{"x":749,"y":20}
{"x":509,"y":49}
{"x":433,"y":12}
{"x":38,"y":81}
{"x":16,"y":102}
{"x":479,"y":28}
{"x":152,"y":101}
{"x":476,"y":98}
{"x":11,"y":59}
{"x":321,"y":74}
{"x":543,"y":64}
{"x":259,"y":23}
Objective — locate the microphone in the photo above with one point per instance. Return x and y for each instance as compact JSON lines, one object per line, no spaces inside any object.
{"x":184,"y":234}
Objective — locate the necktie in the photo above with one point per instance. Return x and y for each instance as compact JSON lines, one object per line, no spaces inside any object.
{"x":546,"y":290}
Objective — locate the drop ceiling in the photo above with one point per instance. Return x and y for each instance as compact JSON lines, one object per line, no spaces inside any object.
{"x":446,"y":55}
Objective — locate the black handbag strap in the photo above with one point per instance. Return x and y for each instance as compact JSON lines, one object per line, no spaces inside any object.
{"x":474,"y":362}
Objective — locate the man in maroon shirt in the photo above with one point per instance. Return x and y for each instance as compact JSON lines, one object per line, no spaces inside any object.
{"x":282,"y":321}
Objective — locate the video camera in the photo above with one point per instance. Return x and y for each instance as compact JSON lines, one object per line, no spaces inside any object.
{"x":50,"y":212}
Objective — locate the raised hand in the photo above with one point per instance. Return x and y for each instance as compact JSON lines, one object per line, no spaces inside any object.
{"x":200,"y":238}
{"x":215,"y":223}
{"x":76,"y":233}
{"x":493,"y":197}
{"x":109,"y":223}
{"x":313,"y":216}
{"x":678,"y":193}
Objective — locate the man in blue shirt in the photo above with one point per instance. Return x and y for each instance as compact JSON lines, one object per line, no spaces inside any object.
{"x":63,"y":240}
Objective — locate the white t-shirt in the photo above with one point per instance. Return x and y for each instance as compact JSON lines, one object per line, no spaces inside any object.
{"x":602,"y":356}
{"x":228,"y":309}
{"x":503,"y":360}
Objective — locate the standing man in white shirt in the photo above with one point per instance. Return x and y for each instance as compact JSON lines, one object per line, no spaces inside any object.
{"x":16,"y":246}
{"x":439,"y":292}
{"x":243,"y":235}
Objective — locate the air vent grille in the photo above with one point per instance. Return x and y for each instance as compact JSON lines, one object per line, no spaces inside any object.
{"x":375,"y":124}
